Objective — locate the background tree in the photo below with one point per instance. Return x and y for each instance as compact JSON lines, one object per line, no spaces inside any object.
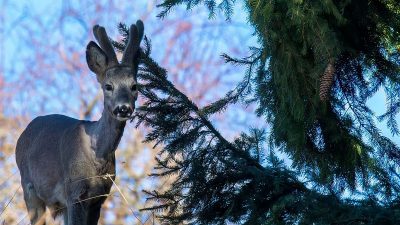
{"x":317,"y":65}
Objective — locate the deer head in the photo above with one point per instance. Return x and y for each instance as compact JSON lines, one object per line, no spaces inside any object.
{"x":118,"y":80}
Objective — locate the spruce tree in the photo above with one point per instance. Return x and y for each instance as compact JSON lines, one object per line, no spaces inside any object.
{"x":317,"y":65}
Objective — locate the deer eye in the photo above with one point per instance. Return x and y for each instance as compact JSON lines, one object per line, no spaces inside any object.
{"x":134,"y":87}
{"x":108,"y":87}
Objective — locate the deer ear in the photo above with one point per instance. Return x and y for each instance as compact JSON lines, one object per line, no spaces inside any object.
{"x":96,"y":60}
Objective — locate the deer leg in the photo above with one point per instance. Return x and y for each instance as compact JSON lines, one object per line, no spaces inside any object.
{"x":94,"y":214}
{"x":36,"y":207}
{"x":77,"y":214}
{"x":65,"y":217}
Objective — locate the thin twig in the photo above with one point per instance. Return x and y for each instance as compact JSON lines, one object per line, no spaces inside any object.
{"x":123,"y":197}
{"x":9,"y":202}
{"x":22,"y":219}
{"x":8,"y":178}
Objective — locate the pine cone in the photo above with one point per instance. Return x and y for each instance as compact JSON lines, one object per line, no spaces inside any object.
{"x":327,"y":81}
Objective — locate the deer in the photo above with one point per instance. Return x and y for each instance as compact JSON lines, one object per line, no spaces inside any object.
{"x":68,"y":165}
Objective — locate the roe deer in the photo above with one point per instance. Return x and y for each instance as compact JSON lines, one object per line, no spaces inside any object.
{"x":68,"y":165}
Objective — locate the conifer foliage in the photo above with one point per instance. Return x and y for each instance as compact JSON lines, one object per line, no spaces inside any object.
{"x":319,"y":62}
{"x":317,"y":65}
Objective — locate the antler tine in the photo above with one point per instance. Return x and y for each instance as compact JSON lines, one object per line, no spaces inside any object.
{"x":135,"y":36}
{"x":101,"y":36}
{"x":95,"y":31}
{"x":140,"y":27}
{"x":130,"y":48}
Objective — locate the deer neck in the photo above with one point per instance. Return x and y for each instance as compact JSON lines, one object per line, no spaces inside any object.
{"x":108,"y":133}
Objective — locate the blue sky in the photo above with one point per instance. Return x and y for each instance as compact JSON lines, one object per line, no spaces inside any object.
{"x":75,"y":33}
{"x":212,"y":38}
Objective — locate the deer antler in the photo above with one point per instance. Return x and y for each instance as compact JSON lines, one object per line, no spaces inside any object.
{"x":132,"y":47}
{"x":135,"y":37}
{"x":101,"y":36}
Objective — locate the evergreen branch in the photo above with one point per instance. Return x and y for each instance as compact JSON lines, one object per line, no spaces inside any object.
{"x":162,"y":78}
{"x":225,"y":5}
{"x":218,"y":180}
{"x":335,"y":144}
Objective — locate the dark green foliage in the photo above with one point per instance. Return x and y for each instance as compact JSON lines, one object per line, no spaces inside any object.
{"x":224,"y":5}
{"x":333,"y":143}
{"x":219,"y":181}
{"x":299,"y":39}
{"x":337,"y":139}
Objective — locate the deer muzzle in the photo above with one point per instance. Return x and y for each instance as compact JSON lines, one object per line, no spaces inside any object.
{"x":123,"y":111}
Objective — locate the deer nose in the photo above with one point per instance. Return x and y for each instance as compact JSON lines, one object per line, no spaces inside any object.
{"x":123,"y":110}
